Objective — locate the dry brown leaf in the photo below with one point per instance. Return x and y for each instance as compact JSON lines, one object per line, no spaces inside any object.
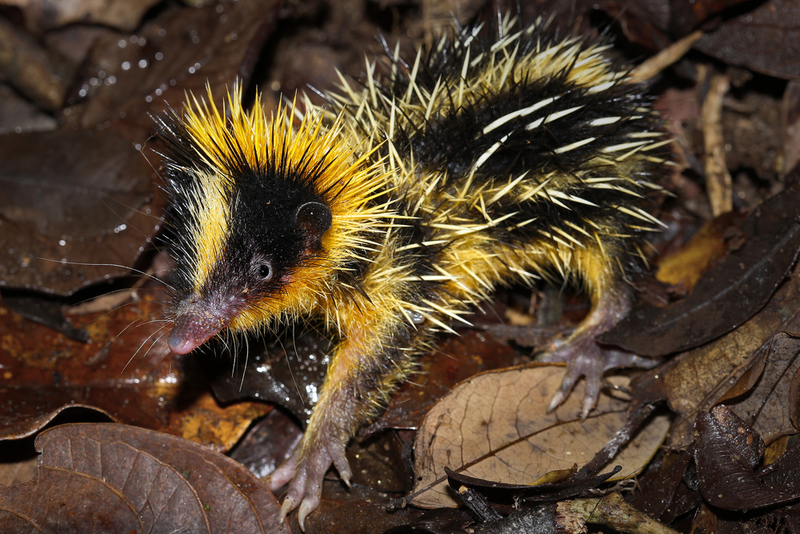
{"x":496,"y":426}
{"x":701,"y":376}
{"x":770,"y":402}
{"x":728,"y":295}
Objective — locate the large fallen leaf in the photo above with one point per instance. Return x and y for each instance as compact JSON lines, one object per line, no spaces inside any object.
{"x":82,"y":196}
{"x":758,"y":39}
{"x":74,"y":214}
{"x":455,"y":359}
{"x":726,"y":296}
{"x":495,"y":426}
{"x":116,"y":478}
{"x":183,"y":49}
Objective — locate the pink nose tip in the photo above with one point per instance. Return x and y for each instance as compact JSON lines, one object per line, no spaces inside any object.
{"x":180,"y":344}
{"x":190,"y":331}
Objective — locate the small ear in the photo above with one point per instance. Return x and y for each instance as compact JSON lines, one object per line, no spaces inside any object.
{"x":314,"y":219}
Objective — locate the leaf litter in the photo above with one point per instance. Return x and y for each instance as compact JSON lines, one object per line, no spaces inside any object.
{"x":741,"y":353}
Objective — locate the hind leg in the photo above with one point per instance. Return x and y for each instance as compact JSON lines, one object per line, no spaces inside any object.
{"x":586,"y":358}
{"x":611,"y":301}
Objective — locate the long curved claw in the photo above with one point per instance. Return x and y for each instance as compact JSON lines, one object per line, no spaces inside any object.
{"x":585,"y":358}
{"x":304,"y":471}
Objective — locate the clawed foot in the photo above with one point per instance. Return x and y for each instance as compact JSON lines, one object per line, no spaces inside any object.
{"x":305,"y":469}
{"x":585,"y":358}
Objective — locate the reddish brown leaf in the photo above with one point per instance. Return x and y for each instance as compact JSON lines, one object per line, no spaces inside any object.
{"x":43,"y":373}
{"x":126,"y":372}
{"x":56,"y":501}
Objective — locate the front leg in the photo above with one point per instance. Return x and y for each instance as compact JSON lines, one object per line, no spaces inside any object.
{"x":332,"y":424}
{"x":360,"y":376}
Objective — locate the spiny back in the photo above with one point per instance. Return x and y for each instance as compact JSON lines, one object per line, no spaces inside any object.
{"x":519,"y":135}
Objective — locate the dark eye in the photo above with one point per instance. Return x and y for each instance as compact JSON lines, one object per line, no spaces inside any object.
{"x":264,"y":271}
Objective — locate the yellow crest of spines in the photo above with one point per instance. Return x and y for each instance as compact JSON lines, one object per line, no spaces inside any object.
{"x":305,"y":147}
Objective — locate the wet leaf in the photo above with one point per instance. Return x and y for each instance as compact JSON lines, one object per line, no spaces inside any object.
{"x":47,"y":312}
{"x":126,"y":478}
{"x":288,"y":370}
{"x":495,"y":426}
{"x":184,"y":49}
{"x":726,"y":296}
{"x":79,"y":195}
{"x":43,"y":15}
{"x":126,"y":372}
{"x":43,"y":372}
{"x":87,"y":199}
